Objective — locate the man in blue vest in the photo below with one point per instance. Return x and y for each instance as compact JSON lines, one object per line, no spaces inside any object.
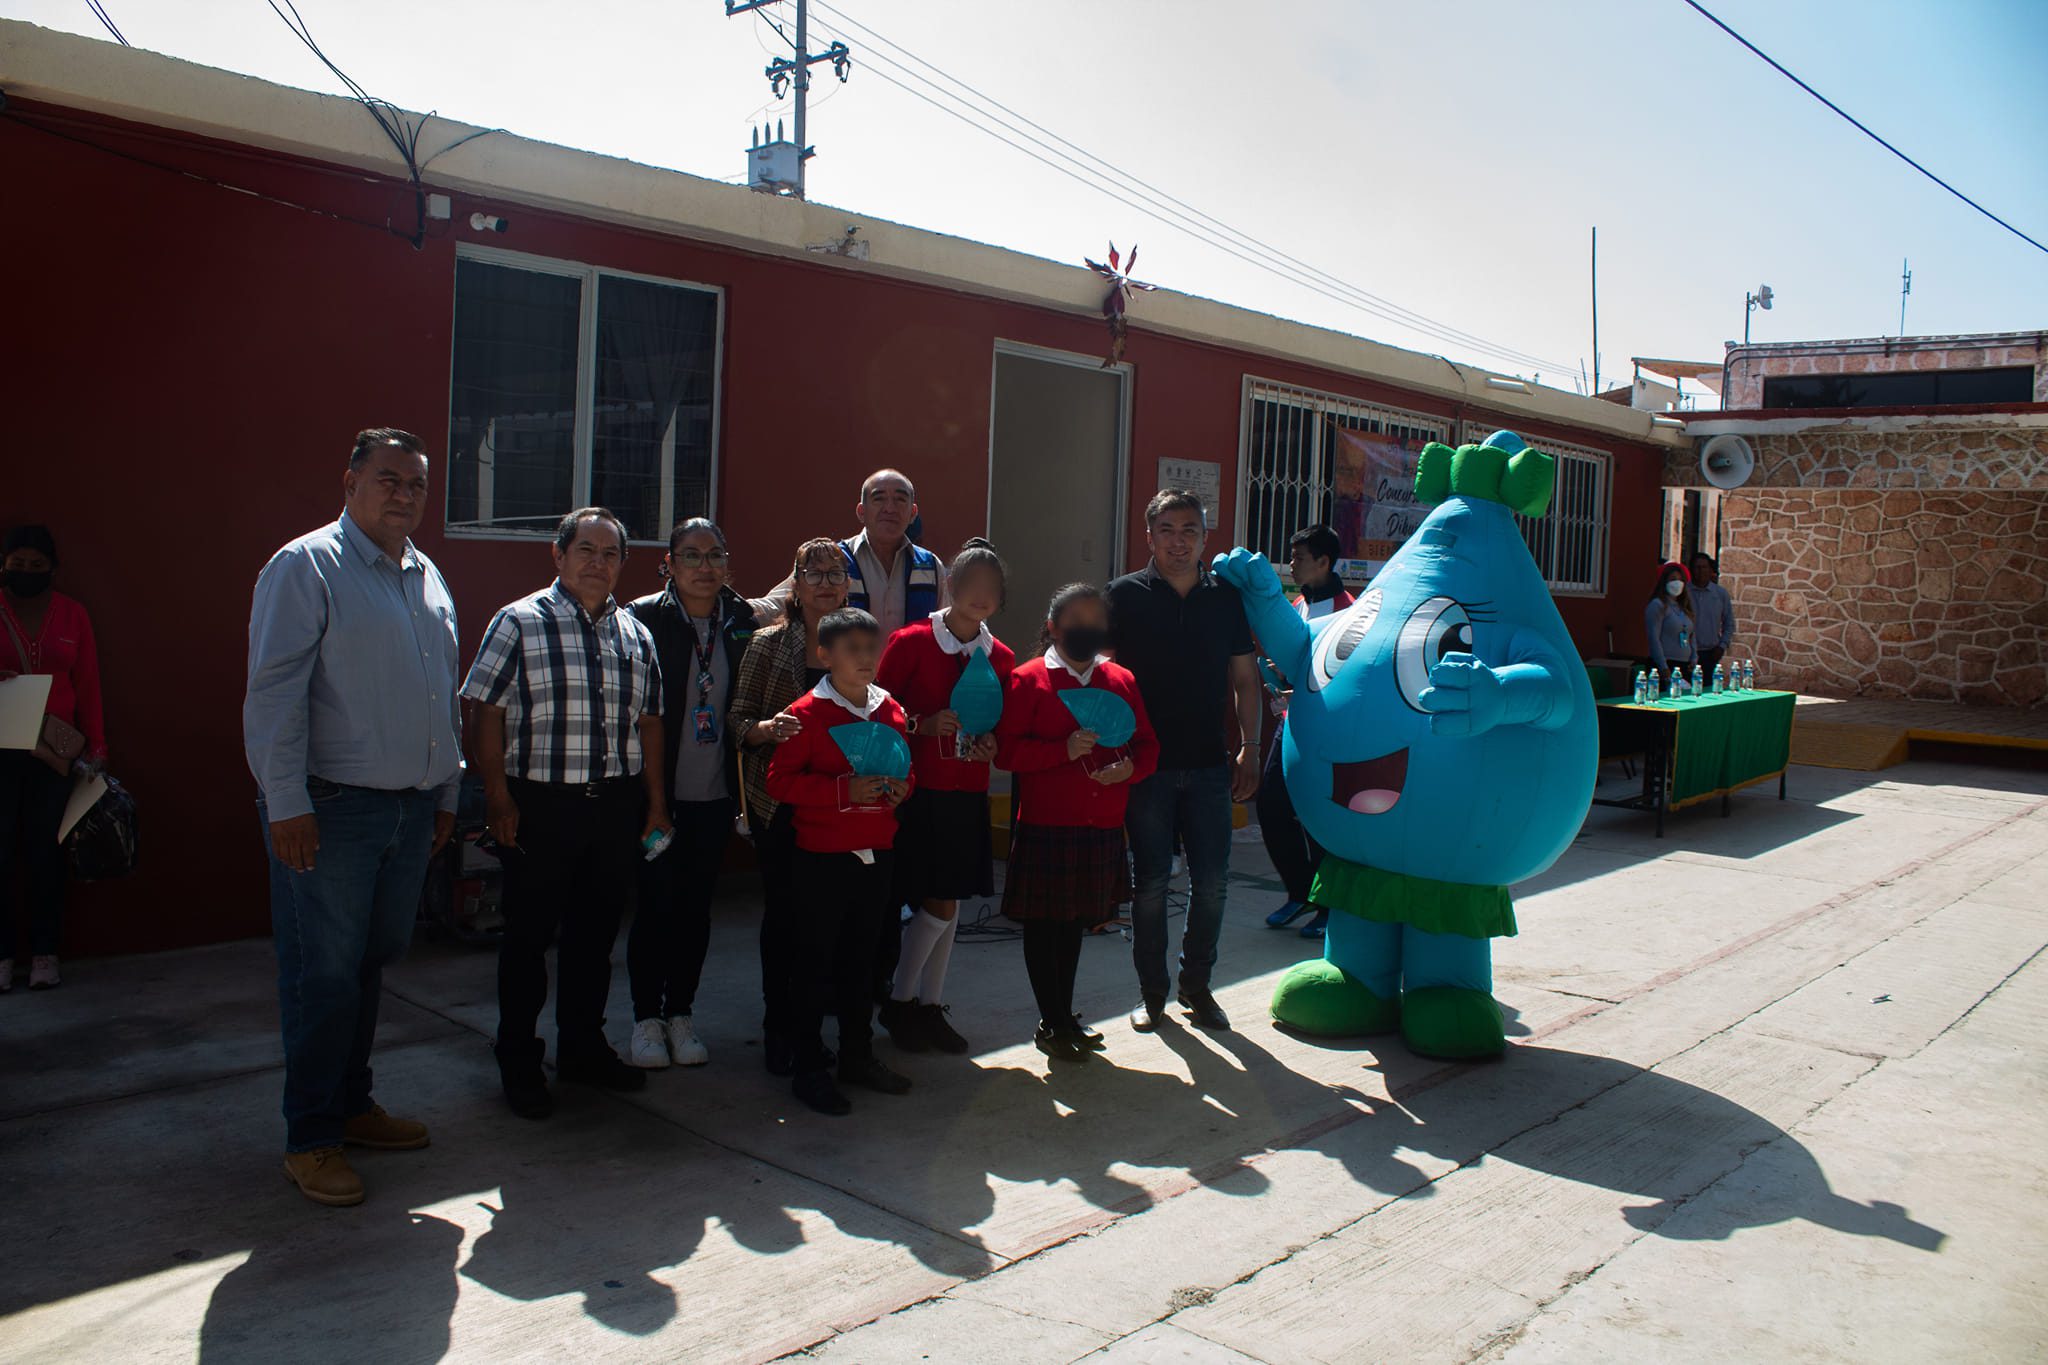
{"x":896,"y":581}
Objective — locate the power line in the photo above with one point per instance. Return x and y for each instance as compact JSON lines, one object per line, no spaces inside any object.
{"x":100,"y":12}
{"x":1167,"y":208}
{"x":1860,"y":126}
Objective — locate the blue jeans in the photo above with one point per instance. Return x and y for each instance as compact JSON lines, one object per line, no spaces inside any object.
{"x":1195,"y":804}
{"x":337,"y":927}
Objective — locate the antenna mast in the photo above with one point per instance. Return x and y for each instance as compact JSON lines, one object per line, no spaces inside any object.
{"x":1905,"y":288}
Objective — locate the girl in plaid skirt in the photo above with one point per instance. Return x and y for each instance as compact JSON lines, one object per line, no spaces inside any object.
{"x":1068,"y":868}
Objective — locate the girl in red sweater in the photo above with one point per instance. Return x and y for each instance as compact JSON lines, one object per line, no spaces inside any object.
{"x":841,"y":868}
{"x":944,"y":853}
{"x":1068,"y":868}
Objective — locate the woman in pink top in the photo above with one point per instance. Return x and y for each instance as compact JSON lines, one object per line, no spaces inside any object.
{"x":41,"y":631}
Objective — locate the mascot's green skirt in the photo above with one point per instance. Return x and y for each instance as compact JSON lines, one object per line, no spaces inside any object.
{"x":1404,"y":953}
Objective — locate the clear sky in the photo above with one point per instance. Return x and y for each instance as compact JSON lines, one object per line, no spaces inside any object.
{"x":1449,"y":157}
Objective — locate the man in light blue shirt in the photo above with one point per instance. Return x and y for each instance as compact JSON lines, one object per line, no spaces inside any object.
{"x":352,"y":725}
{"x":1715,"y":612}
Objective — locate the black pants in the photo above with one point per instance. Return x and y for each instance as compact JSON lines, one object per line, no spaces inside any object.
{"x":1295,"y":855}
{"x":32,"y":799}
{"x":672,"y":918}
{"x":775,"y":846}
{"x":838,"y":909}
{"x":1052,"y":955}
{"x":1708,"y":658}
{"x":570,"y":876}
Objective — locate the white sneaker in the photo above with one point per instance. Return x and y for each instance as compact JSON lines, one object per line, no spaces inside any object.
{"x":683,"y":1043}
{"x":43,"y":972}
{"x":649,"y":1047}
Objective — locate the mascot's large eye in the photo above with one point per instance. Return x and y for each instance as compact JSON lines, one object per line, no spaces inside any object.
{"x":1340,"y":639}
{"x":1437,"y":627}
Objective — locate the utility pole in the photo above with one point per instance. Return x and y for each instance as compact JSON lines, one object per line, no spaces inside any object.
{"x":1905,"y":288}
{"x":1596,"y":310}
{"x":785,"y":73}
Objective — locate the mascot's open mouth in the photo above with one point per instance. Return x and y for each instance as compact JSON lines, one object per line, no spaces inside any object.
{"x":1371,"y":787}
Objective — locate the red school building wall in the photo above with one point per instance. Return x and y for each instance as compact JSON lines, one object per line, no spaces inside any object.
{"x":189,"y":364}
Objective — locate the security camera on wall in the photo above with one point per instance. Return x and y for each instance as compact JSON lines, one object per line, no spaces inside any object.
{"x":1727,"y":461}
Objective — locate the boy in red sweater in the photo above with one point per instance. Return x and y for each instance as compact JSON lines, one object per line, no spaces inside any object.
{"x":843,"y":863}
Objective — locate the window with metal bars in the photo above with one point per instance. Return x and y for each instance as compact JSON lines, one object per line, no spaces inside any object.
{"x":1568,"y":542}
{"x":1299,"y":467}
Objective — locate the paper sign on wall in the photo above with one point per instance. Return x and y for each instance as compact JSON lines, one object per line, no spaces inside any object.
{"x":1203,"y":478}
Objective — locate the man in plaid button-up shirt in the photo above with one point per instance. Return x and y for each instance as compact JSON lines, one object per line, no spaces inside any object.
{"x":568,"y":695}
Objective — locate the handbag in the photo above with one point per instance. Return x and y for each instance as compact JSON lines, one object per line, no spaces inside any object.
{"x":102,"y":844}
{"x":60,"y":743}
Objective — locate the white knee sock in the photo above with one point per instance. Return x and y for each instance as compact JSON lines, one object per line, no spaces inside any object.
{"x":932,"y":988}
{"x":919,"y":937}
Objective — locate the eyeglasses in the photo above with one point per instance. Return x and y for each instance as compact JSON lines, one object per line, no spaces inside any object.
{"x":819,"y":577}
{"x":697,"y":559}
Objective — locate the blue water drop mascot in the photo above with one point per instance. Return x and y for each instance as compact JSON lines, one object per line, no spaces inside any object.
{"x":1440,"y":744}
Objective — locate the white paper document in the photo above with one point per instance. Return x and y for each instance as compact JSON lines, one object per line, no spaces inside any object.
{"x":85,"y":794}
{"x":22,"y":699}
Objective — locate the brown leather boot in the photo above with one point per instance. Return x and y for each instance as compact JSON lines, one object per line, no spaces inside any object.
{"x":375,"y":1128}
{"x":324,"y":1176}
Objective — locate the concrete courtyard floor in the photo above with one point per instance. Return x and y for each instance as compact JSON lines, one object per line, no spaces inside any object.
{"x":1777,"y":1090}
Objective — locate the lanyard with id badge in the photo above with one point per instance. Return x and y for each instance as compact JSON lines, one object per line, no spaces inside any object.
{"x":704,"y":719}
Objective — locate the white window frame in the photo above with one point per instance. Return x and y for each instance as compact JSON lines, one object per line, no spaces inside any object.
{"x":1596,"y":537}
{"x":583,"y":438}
{"x":1315,"y":404}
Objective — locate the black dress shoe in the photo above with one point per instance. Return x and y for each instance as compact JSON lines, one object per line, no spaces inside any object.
{"x":1062,"y":1045}
{"x":1149,"y":1015}
{"x":1198,"y":1002}
{"x":939,"y":1031}
{"x":905,"y":1022}
{"x":526,"y":1085}
{"x":1088,"y":1035}
{"x":815,"y":1089}
{"x":870,"y":1074}
{"x":603,"y":1069}
{"x":779,"y":1055}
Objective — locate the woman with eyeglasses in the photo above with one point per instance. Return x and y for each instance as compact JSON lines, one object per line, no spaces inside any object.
{"x":701,"y":629}
{"x":780,"y":666}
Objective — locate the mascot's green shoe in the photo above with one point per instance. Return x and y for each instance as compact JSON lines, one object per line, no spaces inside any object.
{"x":1446,"y":1021}
{"x":1323,"y":1000}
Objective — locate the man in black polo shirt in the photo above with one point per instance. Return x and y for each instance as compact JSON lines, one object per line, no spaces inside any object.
{"x":1183,"y":634}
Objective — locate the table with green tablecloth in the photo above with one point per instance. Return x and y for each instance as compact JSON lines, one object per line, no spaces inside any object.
{"x":1698,"y":748}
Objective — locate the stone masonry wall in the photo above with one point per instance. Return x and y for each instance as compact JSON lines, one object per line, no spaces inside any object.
{"x":1748,"y":367}
{"x":1925,"y":593}
{"x":1888,"y":453}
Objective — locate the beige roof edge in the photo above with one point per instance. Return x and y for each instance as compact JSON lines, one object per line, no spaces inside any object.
{"x":149,"y":88}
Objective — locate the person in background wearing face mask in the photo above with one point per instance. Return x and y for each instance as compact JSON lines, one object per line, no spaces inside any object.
{"x":46,"y":633}
{"x":1068,"y":867}
{"x":701,"y":628}
{"x":353,"y":732}
{"x":1312,"y":557}
{"x":1668,"y":621}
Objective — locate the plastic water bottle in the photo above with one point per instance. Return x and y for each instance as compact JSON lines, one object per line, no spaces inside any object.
{"x":1720,"y":680}
{"x":1749,"y":675}
{"x":1677,"y":683}
{"x":1642,"y":687}
{"x":1699,"y":681}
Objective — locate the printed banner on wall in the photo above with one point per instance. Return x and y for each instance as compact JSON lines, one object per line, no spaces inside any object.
{"x":1372,"y":496}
